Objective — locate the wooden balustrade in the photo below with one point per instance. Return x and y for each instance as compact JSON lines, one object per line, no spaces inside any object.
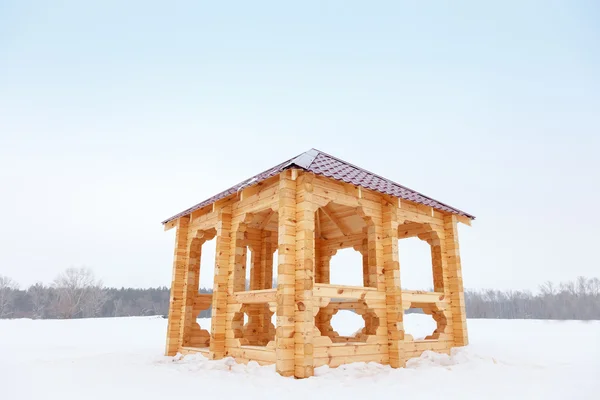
{"x":255,"y":296}
{"x":347,"y":292}
{"x":419,"y":299}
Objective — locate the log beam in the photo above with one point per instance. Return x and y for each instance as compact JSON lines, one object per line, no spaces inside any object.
{"x":177,"y":287}
{"x":345,"y":230}
{"x":267,"y":219}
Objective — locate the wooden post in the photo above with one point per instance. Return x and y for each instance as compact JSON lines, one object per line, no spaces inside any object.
{"x":305,"y":261}
{"x":322,"y":262}
{"x":286,"y":274}
{"x":365,"y":259}
{"x":253,"y":330}
{"x":219,"y":302}
{"x":267,"y":251}
{"x":256,"y":273}
{"x":375,"y":255}
{"x":234,"y":324}
{"x":190,"y":290}
{"x":437,"y":264}
{"x":177,"y":287}
{"x":393,"y":298}
{"x":455,"y":283}
{"x":240,"y":259}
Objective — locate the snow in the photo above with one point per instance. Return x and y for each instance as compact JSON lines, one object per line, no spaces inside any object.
{"x":118,"y":358}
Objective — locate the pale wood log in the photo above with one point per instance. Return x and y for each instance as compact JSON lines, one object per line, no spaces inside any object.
{"x":176,"y":299}
{"x":284,"y":342}
{"x":255,"y":296}
{"x":190,"y":289}
{"x":219,"y":298}
{"x":457,"y":299}
{"x":304,"y":277}
{"x":395,"y":313}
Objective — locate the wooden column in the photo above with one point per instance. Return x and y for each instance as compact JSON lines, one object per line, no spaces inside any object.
{"x":455,"y":283}
{"x":234,"y":324}
{"x":322,"y":275}
{"x":177,"y":284}
{"x":286,"y":274}
{"x":256,"y":273}
{"x":323,"y":256}
{"x":305,"y":256}
{"x":372,"y":252}
{"x":190,"y":288}
{"x":375,"y":255}
{"x":437,"y":264}
{"x":219,"y":302}
{"x":318,"y":263}
{"x":393,"y":298}
{"x":253,"y":330}
{"x":267,"y":251}
{"x":240,"y":257}
{"x":325,"y":259}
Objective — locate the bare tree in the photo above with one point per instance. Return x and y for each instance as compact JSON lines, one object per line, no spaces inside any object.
{"x":94,"y":299}
{"x":8,"y":291}
{"x":117,"y":307}
{"x":547,"y":289}
{"x":40,"y":297}
{"x":78,"y":294}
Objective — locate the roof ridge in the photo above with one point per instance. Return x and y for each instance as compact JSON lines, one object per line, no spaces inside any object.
{"x":305,"y":160}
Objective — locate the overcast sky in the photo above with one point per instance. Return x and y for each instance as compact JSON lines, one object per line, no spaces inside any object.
{"x":117,"y":115}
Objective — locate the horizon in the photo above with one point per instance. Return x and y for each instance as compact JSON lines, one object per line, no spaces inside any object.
{"x":114,"y":117}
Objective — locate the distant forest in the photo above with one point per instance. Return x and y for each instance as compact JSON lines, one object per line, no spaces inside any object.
{"x":77,"y":294}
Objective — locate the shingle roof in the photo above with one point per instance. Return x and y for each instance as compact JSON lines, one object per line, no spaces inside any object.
{"x":320,"y":163}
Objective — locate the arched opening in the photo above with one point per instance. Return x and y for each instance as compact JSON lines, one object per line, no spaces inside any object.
{"x":255,"y":239}
{"x":346,"y":268}
{"x":255,"y":264}
{"x":419,"y":325}
{"x":416,"y":270}
{"x":347,"y":323}
{"x":207,"y":265}
{"x":341,"y":246}
{"x":197,"y":300}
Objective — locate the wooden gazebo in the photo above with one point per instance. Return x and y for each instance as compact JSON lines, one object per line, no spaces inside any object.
{"x":307,"y":208}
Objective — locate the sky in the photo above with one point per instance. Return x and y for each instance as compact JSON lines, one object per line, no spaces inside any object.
{"x":116,"y":115}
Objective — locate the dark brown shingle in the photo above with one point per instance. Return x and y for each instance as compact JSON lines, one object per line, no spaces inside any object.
{"x":320,"y":163}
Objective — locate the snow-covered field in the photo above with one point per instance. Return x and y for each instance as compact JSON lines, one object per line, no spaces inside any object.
{"x":121,"y":358}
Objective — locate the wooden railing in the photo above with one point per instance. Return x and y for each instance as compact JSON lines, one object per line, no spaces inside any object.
{"x":417,"y":298}
{"x":256,"y":296}
{"x":347,"y":292}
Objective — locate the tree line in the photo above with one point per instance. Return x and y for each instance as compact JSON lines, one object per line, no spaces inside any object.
{"x":579,"y":299}
{"x":76,"y":293}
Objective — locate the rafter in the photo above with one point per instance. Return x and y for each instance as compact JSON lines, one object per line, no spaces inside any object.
{"x":336,"y":221}
{"x":267,"y":219}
